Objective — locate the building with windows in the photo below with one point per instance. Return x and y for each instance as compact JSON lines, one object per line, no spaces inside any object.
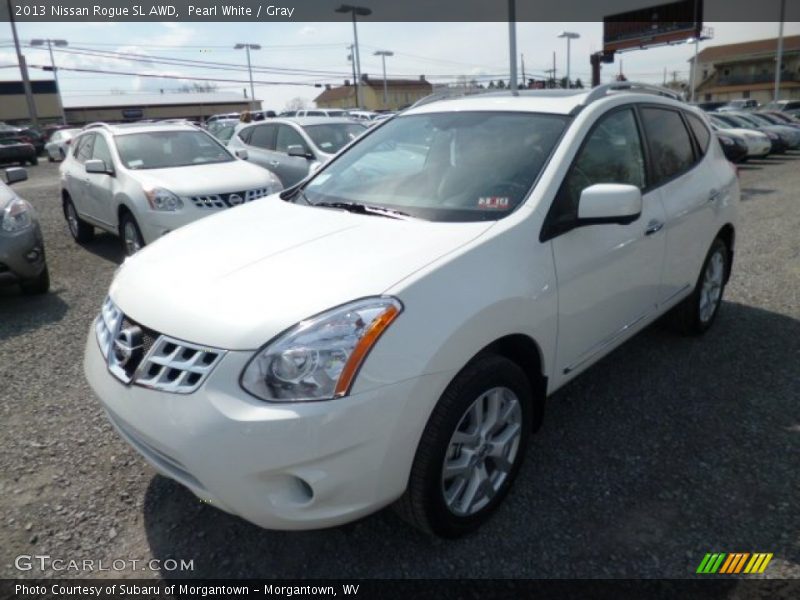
{"x":400,"y":93}
{"x":747,"y":70}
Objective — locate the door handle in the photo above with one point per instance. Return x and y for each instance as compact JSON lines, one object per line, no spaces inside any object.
{"x":274,"y":163}
{"x":653,"y":227}
{"x":713,"y":195}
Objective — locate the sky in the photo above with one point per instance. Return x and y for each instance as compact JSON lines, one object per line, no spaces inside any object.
{"x":440,"y":51}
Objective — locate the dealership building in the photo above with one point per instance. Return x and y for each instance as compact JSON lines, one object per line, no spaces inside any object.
{"x":747,"y":70}
{"x":115,"y":107}
{"x":399,"y":93}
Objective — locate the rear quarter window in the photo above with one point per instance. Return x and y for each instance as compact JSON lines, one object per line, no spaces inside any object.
{"x":669,"y":142}
{"x":700,"y":130}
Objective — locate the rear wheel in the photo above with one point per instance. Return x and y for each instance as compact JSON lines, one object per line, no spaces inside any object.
{"x":34,"y":161}
{"x":471,"y":449}
{"x":40,"y":285}
{"x":132,"y":240}
{"x":696,"y":314}
{"x":80,"y":230}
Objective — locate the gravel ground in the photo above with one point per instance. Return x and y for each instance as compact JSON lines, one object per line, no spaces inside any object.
{"x":667,"y":449}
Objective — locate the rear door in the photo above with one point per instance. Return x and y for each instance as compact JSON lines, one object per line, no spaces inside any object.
{"x":687,"y":182}
{"x":608,"y":274}
{"x":261,"y":145}
{"x":100,"y":186}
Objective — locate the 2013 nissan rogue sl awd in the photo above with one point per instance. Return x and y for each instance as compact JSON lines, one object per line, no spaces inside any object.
{"x":387,"y":330}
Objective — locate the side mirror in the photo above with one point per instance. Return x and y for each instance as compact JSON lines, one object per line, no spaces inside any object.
{"x":95,"y":165}
{"x":299,"y":151}
{"x":15,"y":175}
{"x":609,"y":203}
{"x":240,"y":153}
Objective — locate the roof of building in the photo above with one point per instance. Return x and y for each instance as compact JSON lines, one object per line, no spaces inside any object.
{"x":345,"y":91}
{"x":712,"y":54}
{"x":142,"y":100}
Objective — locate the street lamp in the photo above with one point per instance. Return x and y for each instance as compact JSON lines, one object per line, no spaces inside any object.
{"x":249,"y":47}
{"x":569,"y":35}
{"x":383,"y":54}
{"x":363,"y":12}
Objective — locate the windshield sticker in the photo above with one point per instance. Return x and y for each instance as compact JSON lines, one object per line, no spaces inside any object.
{"x":493,"y":202}
{"x":135,"y":164}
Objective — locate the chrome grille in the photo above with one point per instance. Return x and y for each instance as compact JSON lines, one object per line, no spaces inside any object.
{"x":141,"y":356}
{"x":211,"y":201}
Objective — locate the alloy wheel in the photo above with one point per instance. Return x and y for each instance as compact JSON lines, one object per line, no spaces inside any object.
{"x":482,"y":451}
{"x":711,"y":289}
{"x":132,"y":242}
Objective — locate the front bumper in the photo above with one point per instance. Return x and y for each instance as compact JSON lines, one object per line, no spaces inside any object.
{"x":21,"y":255}
{"x":281,"y":466}
{"x":758,"y":147}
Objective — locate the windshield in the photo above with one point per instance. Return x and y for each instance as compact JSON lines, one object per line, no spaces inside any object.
{"x":165,"y":149}
{"x":464,"y":166}
{"x":760,"y":120}
{"x":332,"y":137}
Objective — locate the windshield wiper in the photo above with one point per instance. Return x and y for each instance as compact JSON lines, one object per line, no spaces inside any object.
{"x":365,"y":209}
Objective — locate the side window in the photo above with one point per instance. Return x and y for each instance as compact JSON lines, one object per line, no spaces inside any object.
{"x":612,"y":153}
{"x":670,"y":145}
{"x":101,"y":151}
{"x":700,"y":129}
{"x":83,"y":151}
{"x":287,"y":136}
{"x":263,"y":136}
{"x":315,"y":113}
{"x":245,"y":134}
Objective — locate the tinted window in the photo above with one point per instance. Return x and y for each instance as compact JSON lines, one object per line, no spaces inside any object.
{"x":263,"y":136}
{"x":287,"y":136}
{"x":612,"y":153}
{"x":315,"y":113}
{"x":101,"y":151}
{"x":670,"y":145}
{"x":701,"y":133}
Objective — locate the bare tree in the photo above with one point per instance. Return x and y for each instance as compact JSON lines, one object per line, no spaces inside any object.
{"x":297,"y":103}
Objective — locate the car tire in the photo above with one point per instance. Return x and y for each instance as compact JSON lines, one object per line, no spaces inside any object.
{"x":477,"y":480}
{"x":130,"y":234}
{"x":40,"y":285}
{"x":80,"y":230}
{"x":50,"y":158}
{"x":695,"y":314}
{"x":34,"y":161}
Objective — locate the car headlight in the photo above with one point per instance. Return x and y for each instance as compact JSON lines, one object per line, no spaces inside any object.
{"x":161,"y":199}
{"x":726,"y":141}
{"x":16,"y":216}
{"x":318,"y":358}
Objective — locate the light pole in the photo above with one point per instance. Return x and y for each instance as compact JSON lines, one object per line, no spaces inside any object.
{"x":249,"y":47}
{"x":383,"y":54}
{"x":363,"y":12}
{"x":58,"y":44}
{"x":512,"y":45}
{"x":569,"y":35}
{"x":779,"y":57}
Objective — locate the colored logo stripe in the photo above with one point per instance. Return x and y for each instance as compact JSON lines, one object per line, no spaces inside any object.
{"x":733,"y":563}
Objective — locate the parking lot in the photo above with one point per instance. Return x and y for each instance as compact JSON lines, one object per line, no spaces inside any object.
{"x":667,"y":449}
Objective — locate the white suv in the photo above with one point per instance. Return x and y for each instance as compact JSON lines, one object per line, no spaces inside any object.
{"x":388,"y":330}
{"x":141,"y":181}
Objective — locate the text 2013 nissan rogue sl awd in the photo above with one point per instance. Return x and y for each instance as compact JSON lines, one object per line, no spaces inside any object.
{"x":387,"y":331}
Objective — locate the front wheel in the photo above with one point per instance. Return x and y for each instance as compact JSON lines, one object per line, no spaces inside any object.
{"x":34,"y":161}
{"x":131,"y":235}
{"x":80,"y":230}
{"x":471,"y":449}
{"x":696,"y":314}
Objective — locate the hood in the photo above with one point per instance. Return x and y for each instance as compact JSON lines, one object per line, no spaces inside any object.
{"x":217,"y":178}
{"x":747,"y":133}
{"x":236,"y":279}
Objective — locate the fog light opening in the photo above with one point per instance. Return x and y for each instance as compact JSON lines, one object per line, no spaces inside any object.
{"x":304,"y":490}
{"x":34,"y":255}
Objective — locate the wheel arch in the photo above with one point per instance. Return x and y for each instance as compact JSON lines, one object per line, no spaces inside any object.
{"x":728,"y":236}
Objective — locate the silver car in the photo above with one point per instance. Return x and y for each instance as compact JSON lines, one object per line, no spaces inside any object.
{"x":22,"y":258}
{"x":291,"y":148}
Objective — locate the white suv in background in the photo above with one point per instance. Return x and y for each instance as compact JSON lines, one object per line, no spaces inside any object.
{"x":141,"y":181}
{"x":388,"y":330}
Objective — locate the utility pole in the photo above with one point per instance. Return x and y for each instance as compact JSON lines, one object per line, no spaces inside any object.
{"x":665,"y":76}
{"x":249,"y":47}
{"x":512,"y":44}
{"x":383,"y":54}
{"x":23,"y":69}
{"x":59,"y":44}
{"x":363,"y":12}
{"x":555,"y":79}
{"x":351,"y":57}
{"x":779,"y":57}
{"x":524,"y":79}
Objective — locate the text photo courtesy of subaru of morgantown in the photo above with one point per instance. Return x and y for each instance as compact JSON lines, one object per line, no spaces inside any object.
{"x":333,"y":293}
